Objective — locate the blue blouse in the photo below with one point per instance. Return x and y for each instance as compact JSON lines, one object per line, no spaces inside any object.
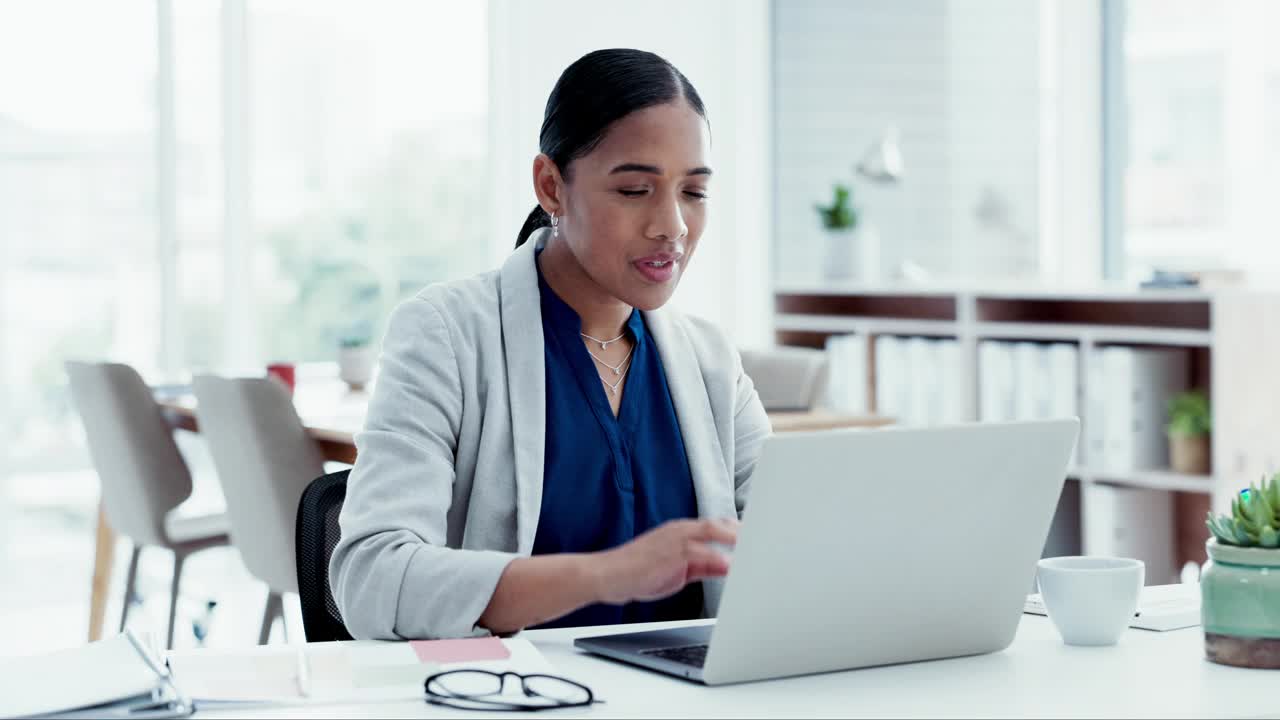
{"x":607,"y":480}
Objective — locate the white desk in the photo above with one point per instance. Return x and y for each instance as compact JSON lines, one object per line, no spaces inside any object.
{"x":1147,"y":675}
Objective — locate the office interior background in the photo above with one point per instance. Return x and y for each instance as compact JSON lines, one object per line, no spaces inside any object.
{"x":220,"y":184}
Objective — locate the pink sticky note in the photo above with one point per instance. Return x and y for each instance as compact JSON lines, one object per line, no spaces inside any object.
{"x":466,"y":650}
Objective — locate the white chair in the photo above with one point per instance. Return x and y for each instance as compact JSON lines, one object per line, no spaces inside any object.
{"x":143,"y":475}
{"x":787,"y":378}
{"x":265,"y":459}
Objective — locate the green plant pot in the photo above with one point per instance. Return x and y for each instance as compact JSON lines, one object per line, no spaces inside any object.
{"x":1189,"y":454}
{"x":1240,"y":605}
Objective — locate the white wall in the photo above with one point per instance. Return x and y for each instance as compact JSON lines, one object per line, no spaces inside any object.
{"x":966,"y":83}
{"x":993,"y":141}
{"x":843,"y":72}
{"x":722,"y":46}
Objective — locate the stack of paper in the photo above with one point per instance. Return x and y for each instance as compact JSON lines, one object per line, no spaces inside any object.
{"x":1160,"y":607}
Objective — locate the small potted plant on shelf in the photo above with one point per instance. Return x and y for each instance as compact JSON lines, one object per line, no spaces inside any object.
{"x":839,"y":220}
{"x":355,"y":360}
{"x":1240,"y":586}
{"x":1190,"y":424}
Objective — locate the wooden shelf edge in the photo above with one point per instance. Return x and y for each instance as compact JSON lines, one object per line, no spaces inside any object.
{"x":1150,"y":479}
{"x":864,"y":325}
{"x":1045,"y":332}
{"x":1114,"y":334}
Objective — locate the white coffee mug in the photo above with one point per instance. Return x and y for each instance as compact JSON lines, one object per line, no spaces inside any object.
{"x":1091,"y":600}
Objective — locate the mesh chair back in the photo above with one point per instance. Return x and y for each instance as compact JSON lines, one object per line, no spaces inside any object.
{"x":318,"y":534}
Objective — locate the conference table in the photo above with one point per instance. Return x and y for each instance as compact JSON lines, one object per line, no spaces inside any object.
{"x":1148,"y":674}
{"x":333,"y":413}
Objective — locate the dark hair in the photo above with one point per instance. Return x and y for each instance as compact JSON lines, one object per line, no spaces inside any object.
{"x":594,"y":92}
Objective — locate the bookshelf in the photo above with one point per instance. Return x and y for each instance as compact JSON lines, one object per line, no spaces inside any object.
{"x":1231,"y":337}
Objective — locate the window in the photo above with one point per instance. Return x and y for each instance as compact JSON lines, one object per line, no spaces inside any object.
{"x":368,"y":133}
{"x":1201,"y":83}
{"x":364,"y":140}
{"x":78,"y":264}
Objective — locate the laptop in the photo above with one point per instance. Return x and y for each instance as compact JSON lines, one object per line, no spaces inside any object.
{"x":862,"y":548}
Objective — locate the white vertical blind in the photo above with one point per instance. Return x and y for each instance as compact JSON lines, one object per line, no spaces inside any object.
{"x":166,"y":192}
{"x":1071,"y":141}
{"x":239,"y":334}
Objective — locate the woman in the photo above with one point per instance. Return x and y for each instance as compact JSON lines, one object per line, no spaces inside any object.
{"x":545,"y":445}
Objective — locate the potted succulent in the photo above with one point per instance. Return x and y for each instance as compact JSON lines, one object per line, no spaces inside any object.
{"x":355,"y":361}
{"x":1240,"y":585}
{"x":839,"y":220}
{"x":1190,"y":424}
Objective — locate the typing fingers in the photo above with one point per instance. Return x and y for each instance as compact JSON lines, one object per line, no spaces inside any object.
{"x":703,"y":561}
{"x":723,"y":531}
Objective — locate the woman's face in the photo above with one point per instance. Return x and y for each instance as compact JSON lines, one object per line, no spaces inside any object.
{"x":635,"y":206}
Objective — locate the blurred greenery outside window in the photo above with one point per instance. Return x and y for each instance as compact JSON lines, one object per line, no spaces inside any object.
{"x":367,"y":153}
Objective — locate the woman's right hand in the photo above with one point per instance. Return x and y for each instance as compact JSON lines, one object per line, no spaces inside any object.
{"x":663,"y":560}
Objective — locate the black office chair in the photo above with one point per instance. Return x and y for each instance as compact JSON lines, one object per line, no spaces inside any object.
{"x":317,"y":535}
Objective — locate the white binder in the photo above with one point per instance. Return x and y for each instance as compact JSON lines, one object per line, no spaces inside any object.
{"x":117,"y":677}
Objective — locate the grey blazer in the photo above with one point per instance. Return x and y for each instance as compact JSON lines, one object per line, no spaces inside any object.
{"x":447,"y":485}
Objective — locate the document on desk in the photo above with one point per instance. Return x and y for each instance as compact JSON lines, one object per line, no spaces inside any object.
{"x":337,"y":672}
{"x":1160,"y":607}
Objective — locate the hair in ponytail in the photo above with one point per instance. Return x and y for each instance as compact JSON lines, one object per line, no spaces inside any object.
{"x":538,"y":218}
{"x":592,"y":94}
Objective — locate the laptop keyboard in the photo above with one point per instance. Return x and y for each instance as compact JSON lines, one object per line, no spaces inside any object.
{"x":694,"y":655}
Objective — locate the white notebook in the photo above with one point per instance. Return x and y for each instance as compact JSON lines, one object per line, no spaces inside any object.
{"x":334,"y":672}
{"x":1160,"y":607}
